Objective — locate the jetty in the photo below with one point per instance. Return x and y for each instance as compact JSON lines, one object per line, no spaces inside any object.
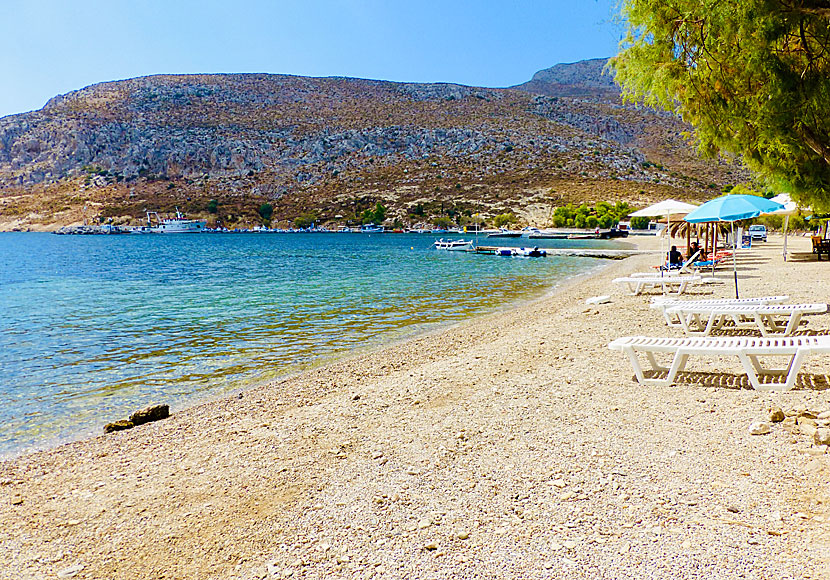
{"x":607,"y":254}
{"x":91,"y":230}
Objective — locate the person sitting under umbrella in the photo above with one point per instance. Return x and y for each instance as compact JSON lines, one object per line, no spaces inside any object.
{"x":695,"y":247}
{"x":675,"y":258}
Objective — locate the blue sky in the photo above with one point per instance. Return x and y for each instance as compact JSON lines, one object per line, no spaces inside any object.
{"x":49,"y":47}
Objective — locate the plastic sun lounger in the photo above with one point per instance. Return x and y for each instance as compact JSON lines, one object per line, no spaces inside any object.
{"x":664,"y":304}
{"x":636,"y":285}
{"x":707,"y":264}
{"x":702,"y":319}
{"x":747,"y":349}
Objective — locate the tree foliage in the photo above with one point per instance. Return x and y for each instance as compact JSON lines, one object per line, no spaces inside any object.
{"x":504,"y":219}
{"x":305,"y":221}
{"x":603,"y":215}
{"x":751,"y":76}
{"x":640,"y":222}
{"x":374,"y":216}
{"x":266,"y":210}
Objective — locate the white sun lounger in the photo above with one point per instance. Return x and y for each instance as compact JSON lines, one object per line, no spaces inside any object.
{"x":636,"y":285}
{"x":747,"y":349}
{"x":664,"y":303}
{"x":702,"y":319}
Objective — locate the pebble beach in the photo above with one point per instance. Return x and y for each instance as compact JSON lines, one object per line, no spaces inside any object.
{"x":512,"y":445}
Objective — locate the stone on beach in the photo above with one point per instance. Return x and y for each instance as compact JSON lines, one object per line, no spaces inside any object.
{"x":152,"y":413}
{"x":776,"y":415}
{"x":119,"y":425}
{"x":759,"y":428}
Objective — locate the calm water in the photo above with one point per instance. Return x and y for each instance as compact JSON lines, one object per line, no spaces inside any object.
{"x":94,"y":327}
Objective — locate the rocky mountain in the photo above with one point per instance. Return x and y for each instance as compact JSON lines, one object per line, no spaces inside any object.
{"x":330,"y":148}
{"x":586,"y":79}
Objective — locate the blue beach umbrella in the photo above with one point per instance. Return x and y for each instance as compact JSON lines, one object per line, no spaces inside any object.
{"x":731,"y":208}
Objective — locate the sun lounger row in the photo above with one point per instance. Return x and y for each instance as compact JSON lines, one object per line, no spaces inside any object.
{"x":666,"y":304}
{"x":672,"y":285}
{"x":698,"y":318}
{"x":702,"y":319}
{"x":747,"y":349}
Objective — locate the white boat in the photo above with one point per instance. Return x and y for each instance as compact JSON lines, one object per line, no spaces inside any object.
{"x":176,"y":225}
{"x":504,"y":233}
{"x":371,"y":229}
{"x":453,"y":245}
{"x":531,"y":252}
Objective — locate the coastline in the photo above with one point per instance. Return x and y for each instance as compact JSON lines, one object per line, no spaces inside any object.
{"x":262,"y":373}
{"x":514,"y":444}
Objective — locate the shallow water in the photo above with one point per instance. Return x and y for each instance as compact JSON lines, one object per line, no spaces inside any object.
{"x":94,"y":327}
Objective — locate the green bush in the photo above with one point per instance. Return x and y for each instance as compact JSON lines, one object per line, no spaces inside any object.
{"x":266,"y":210}
{"x":442,"y":222}
{"x":305,"y":221}
{"x":213,"y":206}
{"x":504,"y":219}
{"x":640,"y":223}
{"x":374,"y":216}
{"x":604,"y":214}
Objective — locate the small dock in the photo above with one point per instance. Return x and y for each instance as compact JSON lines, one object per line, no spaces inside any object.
{"x":577,"y":252}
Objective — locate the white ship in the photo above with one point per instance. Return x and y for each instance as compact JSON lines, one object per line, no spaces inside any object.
{"x":176,"y":225}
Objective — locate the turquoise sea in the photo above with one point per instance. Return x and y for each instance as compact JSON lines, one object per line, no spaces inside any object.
{"x":94,"y":327}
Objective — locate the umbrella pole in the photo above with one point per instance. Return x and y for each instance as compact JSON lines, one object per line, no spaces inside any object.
{"x":786,"y":223}
{"x":688,"y":240}
{"x":714,"y":246}
{"x":734,"y":264}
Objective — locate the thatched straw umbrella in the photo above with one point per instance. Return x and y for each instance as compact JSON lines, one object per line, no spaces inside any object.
{"x":711,"y":231}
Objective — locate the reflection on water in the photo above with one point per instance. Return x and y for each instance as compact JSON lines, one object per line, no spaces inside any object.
{"x":95,"y":327}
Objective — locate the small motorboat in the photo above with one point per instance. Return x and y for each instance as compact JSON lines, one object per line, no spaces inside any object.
{"x":504,"y":233}
{"x":531,"y":252}
{"x":453,"y":245}
{"x":505,"y":251}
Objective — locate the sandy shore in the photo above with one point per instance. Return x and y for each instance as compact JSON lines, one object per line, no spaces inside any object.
{"x":515,"y":445}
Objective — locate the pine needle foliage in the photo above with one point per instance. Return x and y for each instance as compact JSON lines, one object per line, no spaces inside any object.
{"x":751,"y":76}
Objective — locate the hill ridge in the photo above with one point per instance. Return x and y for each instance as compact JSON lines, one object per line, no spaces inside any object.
{"x":333,"y":146}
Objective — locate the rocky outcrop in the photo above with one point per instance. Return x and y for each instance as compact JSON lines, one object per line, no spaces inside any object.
{"x":587,"y":79}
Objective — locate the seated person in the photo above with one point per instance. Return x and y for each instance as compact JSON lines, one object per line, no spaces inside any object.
{"x":701,"y":257}
{"x":675,"y":258}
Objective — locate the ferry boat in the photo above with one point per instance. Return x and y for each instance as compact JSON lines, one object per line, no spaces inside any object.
{"x":176,"y":225}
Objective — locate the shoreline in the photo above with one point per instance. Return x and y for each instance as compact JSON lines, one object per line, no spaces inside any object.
{"x":513,"y":444}
{"x":253,"y":382}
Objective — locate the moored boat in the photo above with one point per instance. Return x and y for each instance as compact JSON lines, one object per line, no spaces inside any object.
{"x":453,"y":245}
{"x":531,"y":252}
{"x":504,"y":233}
{"x":175,"y":225}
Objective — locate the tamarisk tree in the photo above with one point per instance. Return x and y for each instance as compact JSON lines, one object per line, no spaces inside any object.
{"x":751,"y":76}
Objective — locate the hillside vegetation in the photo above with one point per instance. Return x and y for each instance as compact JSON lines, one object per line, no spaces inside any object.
{"x":331,"y":148}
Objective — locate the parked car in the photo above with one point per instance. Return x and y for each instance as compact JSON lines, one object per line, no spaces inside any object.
{"x":758,"y":233}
